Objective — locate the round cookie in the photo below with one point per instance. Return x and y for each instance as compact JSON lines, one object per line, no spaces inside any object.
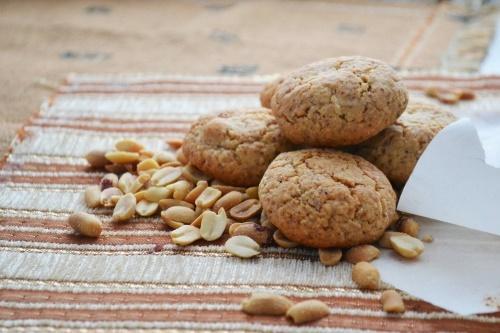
{"x":267,"y":92}
{"x":338,"y":101}
{"x":397,"y":149}
{"x":325,"y":198}
{"x":235,"y":146}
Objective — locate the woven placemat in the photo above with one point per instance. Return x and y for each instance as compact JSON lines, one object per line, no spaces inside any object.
{"x":51,"y":279}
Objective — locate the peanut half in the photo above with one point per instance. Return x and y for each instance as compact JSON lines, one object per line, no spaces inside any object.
{"x":245,"y":210}
{"x":362,"y":253}
{"x":213,"y":225}
{"x":180,"y":189}
{"x":122,"y":157}
{"x":146,"y":208}
{"x":208,"y":197}
{"x":365,"y":275}
{"x":242,"y":246}
{"x":195,"y":192}
{"x":167,"y":203}
{"x":93,"y":196}
{"x":163,"y":157}
{"x":126,"y":182}
{"x":407,"y":246}
{"x":228,"y":201}
{"x":409,"y":226}
{"x":97,"y":158}
{"x":252,"y":192}
{"x":108,"y":194}
{"x":129,"y":145}
{"x":157,"y":193}
{"x":125,"y":208}
{"x":255,"y":231}
{"x":165,"y":176}
{"x":179,"y":214}
{"x":385,"y":240}
{"x":261,"y":303}
{"x":86,"y":224}
{"x":185,"y":235}
{"x":282,"y":241}
{"x":175,"y":143}
{"x":392,"y":302}
{"x":147,"y":164}
{"x":330,"y":257}
{"x":307,"y":311}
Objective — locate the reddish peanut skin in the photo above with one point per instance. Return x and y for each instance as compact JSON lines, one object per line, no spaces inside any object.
{"x":245,"y":210}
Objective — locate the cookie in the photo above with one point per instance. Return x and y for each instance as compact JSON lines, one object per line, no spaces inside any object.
{"x":338,"y":101}
{"x":267,"y":92}
{"x":235,"y":146}
{"x":325,"y":198}
{"x":397,"y":149}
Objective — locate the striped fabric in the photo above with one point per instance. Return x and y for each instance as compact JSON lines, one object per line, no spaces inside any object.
{"x":51,"y":280}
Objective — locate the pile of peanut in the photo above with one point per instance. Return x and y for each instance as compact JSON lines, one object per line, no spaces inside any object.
{"x":145,"y":183}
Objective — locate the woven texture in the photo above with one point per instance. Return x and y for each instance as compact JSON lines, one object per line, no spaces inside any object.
{"x":50,"y":278}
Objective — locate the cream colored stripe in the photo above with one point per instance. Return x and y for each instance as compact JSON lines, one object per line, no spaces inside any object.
{"x":124,"y":106}
{"x":98,"y":124}
{"x":135,"y":326}
{"x":90,"y":174}
{"x":44,"y":187}
{"x":64,"y":200}
{"x":172,"y":269}
{"x":49,"y":160}
{"x":237,"y":307}
{"x":69,"y":231}
{"x":133,"y":288}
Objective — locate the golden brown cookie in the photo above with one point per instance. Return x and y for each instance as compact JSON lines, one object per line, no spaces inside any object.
{"x":338,"y":101}
{"x":325,"y":198}
{"x":397,"y":149}
{"x":235,"y":146}
{"x":267,"y":92}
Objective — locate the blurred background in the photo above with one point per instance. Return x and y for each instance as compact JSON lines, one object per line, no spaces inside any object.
{"x":42,"y":41}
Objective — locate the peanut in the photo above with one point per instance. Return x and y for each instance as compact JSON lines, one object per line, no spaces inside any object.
{"x":115,"y":168}
{"x":109,"y":180}
{"x":107,"y":194}
{"x":96,"y":158}
{"x":125,"y":208}
{"x":267,"y":304}
{"x":173,"y":224}
{"x":407,"y":246}
{"x":232,"y":228}
{"x":226,"y":188}
{"x":139,"y":182}
{"x":242,"y":246}
{"x":392,"y":302}
{"x":185,"y":235}
{"x":126,"y":182}
{"x":156,"y":193}
{"x":228,"y":201}
{"x":282,"y":241}
{"x":179,"y":155}
{"x":165,"y":176}
{"x":167,"y":203}
{"x":245,"y":210}
{"x":385,"y":240}
{"x":362,"y":253}
{"x":255,"y":231}
{"x":307,"y":311}
{"x":193,"y":175}
{"x":147,"y":164}
{"x":409,"y":226}
{"x":139,"y":195}
{"x":197,"y":221}
{"x":129,"y":145}
{"x":252,"y":192}
{"x":163,"y":157}
{"x":465,"y":94}
{"x":365,"y":275}
{"x":208,"y":197}
{"x":264,"y":221}
{"x":175,"y":143}
{"x":122,"y":157}
{"x":180,"y":189}
{"x":173,"y":164}
{"x":330,"y":257}
{"x":195,"y":192}
{"x":179,"y":214}
{"x":427,"y":238}
{"x":213,"y":225}
{"x":145,"y":154}
{"x":146,"y":208}
{"x":85,"y":224}
{"x":93,"y":196}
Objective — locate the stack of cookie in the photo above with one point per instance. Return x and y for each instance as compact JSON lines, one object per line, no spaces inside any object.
{"x":294,"y":147}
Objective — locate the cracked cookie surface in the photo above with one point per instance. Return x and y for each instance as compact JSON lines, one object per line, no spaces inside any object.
{"x":397,"y":149}
{"x":325,"y":198}
{"x":338,"y":101}
{"x":235,"y":146}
